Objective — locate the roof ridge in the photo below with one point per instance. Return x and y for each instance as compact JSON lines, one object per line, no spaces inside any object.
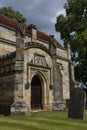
{"x":8,"y":21}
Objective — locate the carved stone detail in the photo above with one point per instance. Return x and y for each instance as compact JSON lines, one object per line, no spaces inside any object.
{"x":37,"y":45}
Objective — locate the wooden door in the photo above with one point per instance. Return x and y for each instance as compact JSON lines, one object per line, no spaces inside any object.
{"x":36,"y":94}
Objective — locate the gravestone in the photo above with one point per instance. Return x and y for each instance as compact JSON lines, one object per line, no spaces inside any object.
{"x":77,"y":103}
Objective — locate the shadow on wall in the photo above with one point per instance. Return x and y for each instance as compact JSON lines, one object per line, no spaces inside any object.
{"x":5,"y":109}
{"x":6,"y":97}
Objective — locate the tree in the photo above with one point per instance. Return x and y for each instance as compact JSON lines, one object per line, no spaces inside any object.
{"x":73,"y":27}
{"x":9,"y":12}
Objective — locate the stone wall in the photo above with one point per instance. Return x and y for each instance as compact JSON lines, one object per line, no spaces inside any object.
{"x":7,"y":34}
{"x":6,"y":93}
{"x":7,"y":80}
{"x":18,"y":89}
{"x":7,"y":40}
{"x":7,"y":89}
{"x":27,"y":39}
{"x":6,"y":48}
{"x":46,"y":44}
{"x":11,"y":81}
{"x":65,"y":78}
{"x":61,"y":52}
{"x":30,"y":55}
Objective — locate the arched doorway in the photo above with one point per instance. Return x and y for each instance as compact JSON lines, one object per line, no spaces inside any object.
{"x":36,"y":93}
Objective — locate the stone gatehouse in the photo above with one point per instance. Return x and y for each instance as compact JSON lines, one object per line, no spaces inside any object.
{"x":36,"y":72}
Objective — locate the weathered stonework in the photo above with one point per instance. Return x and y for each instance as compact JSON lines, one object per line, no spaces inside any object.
{"x":6,"y":47}
{"x":7,"y":34}
{"x":33,"y":64}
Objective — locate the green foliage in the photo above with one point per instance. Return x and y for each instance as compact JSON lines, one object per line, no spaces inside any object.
{"x":81,"y":71}
{"x":73,"y":27}
{"x":9,"y":12}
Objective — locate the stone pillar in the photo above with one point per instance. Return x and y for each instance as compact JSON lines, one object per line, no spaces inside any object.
{"x":69,"y":51}
{"x":19,"y":105}
{"x":70,"y":65}
{"x":33,"y":32}
{"x":68,"y":48}
{"x":58,"y":103}
{"x":71,"y":75}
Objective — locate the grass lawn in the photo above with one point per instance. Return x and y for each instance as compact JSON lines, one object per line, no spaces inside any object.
{"x":42,"y":121}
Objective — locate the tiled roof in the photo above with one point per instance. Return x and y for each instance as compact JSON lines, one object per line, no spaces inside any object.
{"x":14,"y":24}
{"x":8,"y":21}
{"x":43,"y":36}
{"x":40,"y":34}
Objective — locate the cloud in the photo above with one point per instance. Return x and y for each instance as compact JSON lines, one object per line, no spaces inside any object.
{"x":53,"y":19}
{"x":42,"y":13}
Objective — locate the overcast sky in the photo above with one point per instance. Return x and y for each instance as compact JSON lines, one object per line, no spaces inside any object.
{"x":42,"y":13}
